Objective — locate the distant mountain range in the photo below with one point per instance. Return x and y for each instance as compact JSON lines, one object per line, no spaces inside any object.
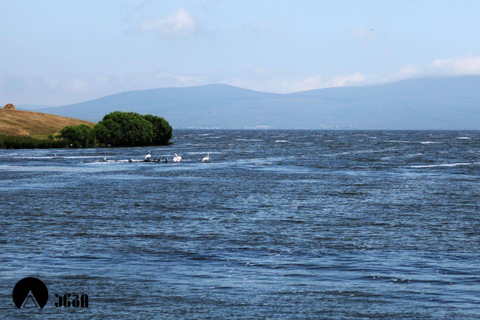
{"x":428,"y":103}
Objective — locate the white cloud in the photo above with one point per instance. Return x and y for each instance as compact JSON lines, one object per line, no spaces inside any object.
{"x":456,"y":66}
{"x":409,"y":71}
{"x":343,"y":81}
{"x":310,"y":83}
{"x":179,"y":23}
{"x":441,"y":67}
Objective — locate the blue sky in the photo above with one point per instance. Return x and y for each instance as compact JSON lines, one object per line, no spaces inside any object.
{"x":57,"y":52}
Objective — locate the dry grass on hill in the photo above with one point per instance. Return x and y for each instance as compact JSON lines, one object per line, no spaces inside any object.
{"x":34,"y":124}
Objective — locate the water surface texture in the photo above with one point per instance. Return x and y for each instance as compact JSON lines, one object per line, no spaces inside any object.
{"x":279,"y":225}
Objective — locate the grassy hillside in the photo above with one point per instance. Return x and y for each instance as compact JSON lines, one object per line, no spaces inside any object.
{"x":34,"y":124}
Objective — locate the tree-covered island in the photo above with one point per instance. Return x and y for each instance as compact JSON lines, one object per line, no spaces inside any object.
{"x":120,"y":129}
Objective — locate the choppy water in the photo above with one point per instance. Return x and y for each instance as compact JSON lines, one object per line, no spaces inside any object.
{"x":279,"y":225}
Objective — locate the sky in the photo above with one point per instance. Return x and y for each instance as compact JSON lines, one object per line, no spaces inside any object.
{"x":57,"y":52}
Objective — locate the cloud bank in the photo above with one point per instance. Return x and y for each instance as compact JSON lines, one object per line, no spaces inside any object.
{"x":441,"y":67}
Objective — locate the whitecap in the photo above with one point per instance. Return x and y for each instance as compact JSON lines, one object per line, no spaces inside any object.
{"x":414,"y":155}
{"x":464,"y":138}
{"x":254,"y":140}
{"x":445,"y":165}
{"x":281,"y":141}
{"x":399,"y":141}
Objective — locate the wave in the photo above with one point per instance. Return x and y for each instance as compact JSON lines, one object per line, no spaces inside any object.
{"x":400,"y":141}
{"x":412,"y":142}
{"x":445,"y":165}
{"x":366,"y":151}
{"x":254,"y":140}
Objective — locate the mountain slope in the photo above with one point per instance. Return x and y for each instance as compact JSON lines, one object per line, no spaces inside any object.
{"x":429,"y":103}
{"x":34,"y":124}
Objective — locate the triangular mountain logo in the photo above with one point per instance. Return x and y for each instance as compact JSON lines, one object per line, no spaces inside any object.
{"x":30,"y":293}
{"x":30,"y":302}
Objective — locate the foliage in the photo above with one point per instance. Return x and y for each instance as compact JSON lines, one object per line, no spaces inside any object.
{"x":79,"y":136}
{"x":52,"y":136}
{"x":162,"y":131}
{"x":132,"y":129}
{"x":102,"y":132}
{"x":14,"y":142}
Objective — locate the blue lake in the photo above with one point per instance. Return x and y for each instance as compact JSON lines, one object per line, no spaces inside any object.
{"x":278,"y":225}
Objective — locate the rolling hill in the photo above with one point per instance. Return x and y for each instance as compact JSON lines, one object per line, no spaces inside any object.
{"x":429,"y":103}
{"x":34,"y":124}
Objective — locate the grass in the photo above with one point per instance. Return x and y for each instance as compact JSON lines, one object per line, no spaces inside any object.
{"x":20,"y":123}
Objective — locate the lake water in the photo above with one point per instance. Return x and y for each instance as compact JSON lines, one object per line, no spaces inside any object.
{"x":279,"y":225}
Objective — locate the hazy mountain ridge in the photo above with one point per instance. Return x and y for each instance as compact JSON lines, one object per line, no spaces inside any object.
{"x":428,"y":103}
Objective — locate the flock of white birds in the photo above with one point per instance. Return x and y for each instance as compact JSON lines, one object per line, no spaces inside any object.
{"x":148,"y":158}
{"x":176,"y":158}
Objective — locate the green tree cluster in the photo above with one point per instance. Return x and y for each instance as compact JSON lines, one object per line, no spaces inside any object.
{"x":121,"y":129}
{"x":162,"y":131}
{"x":79,"y":136}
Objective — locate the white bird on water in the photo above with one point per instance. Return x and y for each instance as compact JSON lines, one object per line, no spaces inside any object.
{"x":207,"y":158}
{"x":177,"y":158}
{"x":148,"y":156}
